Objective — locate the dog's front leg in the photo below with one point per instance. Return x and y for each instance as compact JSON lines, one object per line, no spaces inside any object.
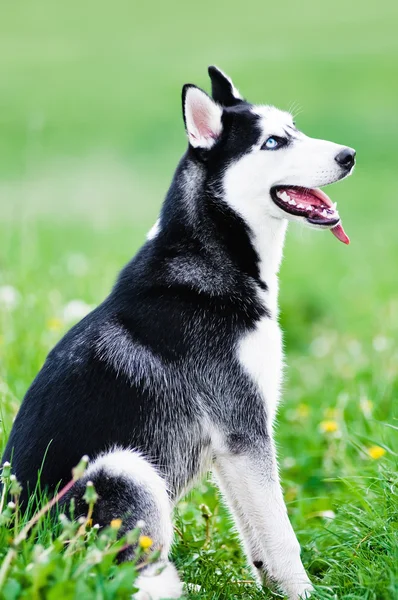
{"x":249,"y":479}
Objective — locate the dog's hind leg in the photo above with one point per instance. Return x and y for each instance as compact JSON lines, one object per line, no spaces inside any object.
{"x":129,"y":488}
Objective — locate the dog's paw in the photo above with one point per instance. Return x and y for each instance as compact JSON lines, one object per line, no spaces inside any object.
{"x":300,"y":591}
{"x":159,"y":581}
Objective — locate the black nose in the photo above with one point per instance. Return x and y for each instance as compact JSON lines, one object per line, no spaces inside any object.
{"x":346,"y":158}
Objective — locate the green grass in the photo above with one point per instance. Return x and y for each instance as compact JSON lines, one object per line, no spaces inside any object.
{"x":90,"y":132}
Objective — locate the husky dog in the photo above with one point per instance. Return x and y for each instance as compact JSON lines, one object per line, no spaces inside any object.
{"x":178,"y":371}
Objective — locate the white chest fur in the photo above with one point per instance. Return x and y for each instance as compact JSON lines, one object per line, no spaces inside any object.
{"x":261,"y":351}
{"x":261,"y":355}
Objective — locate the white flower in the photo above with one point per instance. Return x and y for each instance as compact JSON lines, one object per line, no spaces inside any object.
{"x":327,"y":514}
{"x":366,"y":406}
{"x":289,"y":462}
{"x":354,"y":348}
{"x":9,"y":297}
{"x":380,"y":343}
{"x":77,"y":264}
{"x":76,"y":310}
{"x":321,"y":346}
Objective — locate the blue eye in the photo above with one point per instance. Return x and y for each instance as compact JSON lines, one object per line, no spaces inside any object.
{"x":271,"y":143}
{"x":274,"y":142}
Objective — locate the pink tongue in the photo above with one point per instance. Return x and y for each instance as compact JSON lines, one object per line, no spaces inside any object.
{"x":341,"y":235}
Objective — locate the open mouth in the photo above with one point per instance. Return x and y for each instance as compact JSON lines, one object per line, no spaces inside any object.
{"x":311,"y":204}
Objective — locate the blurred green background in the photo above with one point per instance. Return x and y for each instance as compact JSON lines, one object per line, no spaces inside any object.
{"x":90,"y":134}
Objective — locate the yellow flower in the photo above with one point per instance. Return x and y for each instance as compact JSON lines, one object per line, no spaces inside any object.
{"x":145,"y":542}
{"x":54,"y":324}
{"x":329,"y":426}
{"x":303,"y":410}
{"x":116,"y":523}
{"x":376,"y":452}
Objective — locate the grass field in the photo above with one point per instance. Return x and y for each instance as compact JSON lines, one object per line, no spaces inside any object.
{"x":90,"y":132}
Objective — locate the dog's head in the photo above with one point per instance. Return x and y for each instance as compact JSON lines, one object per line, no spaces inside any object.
{"x":258,"y":161}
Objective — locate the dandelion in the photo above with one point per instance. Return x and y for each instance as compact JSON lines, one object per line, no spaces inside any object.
{"x":329,"y":426}
{"x":6,"y":470}
{"x":145,"y":542}
{"x":90,"y":495}
{"x":94,"y":556}
{"x":116,"y":523}
{"x":55,"y":324}
{"x":9,"y":297}
{"x":376,"y":452}
{"x":15,"y":488}
{"x":76,"y":310}
{"x":78,"y":471}
{"x":303,"y":410}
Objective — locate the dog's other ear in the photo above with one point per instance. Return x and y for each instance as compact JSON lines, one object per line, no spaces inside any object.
{"x":202,"y":117}
{"x":223,"y":90}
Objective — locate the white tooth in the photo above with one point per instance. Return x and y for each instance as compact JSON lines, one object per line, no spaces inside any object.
{"x":280,"y":195}
{"x":300,"y":206}
{"x":285,"y":197}
{"x":293,"y":202}
{"x":325,"y":212}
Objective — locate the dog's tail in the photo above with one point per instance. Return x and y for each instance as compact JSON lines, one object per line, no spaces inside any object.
{"x":129,"y":488}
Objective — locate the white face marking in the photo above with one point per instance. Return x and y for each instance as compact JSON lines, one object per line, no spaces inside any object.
{"x":305,"y":162}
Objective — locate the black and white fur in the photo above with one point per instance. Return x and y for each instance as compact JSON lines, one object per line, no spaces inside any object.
{"x":179,"y":370}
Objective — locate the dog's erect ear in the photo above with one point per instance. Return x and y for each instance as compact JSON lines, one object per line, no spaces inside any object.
{"x":223,"y":90}
{"x":202,"y":117}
